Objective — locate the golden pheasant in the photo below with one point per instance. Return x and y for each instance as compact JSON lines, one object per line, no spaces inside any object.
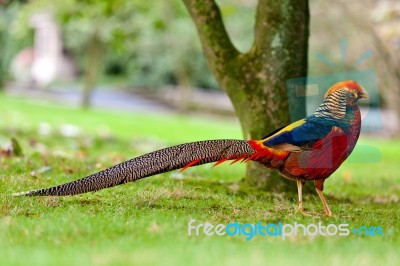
{"x":310,"y":149}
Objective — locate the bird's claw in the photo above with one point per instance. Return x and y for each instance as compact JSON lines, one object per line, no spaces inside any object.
{"x":302,"y":211}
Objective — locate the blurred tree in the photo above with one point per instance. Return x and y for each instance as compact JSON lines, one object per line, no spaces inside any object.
{"x":167,"y":50}
{"x":3,"y":23}
{"x":175,"y":56}
{"x":367,"y":26}
{"x":7,"y":11}
{"x":382,"y":26}
{"x":91,"y":29}
{"x":255,"y":80}
{"x":129,"y":38}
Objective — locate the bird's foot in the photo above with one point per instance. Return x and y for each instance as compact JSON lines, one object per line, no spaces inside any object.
{"x":328,"y":213}
{"x":302,"y":211}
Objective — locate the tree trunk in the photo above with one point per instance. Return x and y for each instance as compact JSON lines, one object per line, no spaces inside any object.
{"x":255,"y":81}
{"x":91,"y":69}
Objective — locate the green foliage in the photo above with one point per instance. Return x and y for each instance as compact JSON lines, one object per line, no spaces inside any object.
{"x":151,"y":44}
{"x":10,"y":45}
{"x":168,"y":50}
{"x":145,"y":223}
{"x":112,"y":22}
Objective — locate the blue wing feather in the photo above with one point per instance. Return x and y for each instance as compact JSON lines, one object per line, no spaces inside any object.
{"x":300,"y":134}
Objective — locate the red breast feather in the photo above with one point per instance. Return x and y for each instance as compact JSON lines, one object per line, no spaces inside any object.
{"x":326,"y":155}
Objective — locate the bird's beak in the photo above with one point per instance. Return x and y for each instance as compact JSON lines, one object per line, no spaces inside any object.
{"x":363,"y":94}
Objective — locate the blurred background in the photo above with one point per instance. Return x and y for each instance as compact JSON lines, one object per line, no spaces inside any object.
{"x":146,"y":56}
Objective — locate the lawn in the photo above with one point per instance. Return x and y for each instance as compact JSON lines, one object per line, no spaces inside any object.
{"x":146,"y":222}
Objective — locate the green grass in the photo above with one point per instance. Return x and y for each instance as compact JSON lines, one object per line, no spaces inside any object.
{"x":146,"y":222}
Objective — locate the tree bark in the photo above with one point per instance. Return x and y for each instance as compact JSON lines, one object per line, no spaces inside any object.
{"x":255,"y":80}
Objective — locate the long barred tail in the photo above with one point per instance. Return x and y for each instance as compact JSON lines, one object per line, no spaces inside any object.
{"x":161,"y":161}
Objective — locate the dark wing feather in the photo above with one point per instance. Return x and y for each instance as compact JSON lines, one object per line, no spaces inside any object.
{"x":274,"y":132}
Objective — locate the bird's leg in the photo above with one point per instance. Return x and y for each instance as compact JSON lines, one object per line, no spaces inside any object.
{"x":300,"y":193}
{"x":326,"y":207}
